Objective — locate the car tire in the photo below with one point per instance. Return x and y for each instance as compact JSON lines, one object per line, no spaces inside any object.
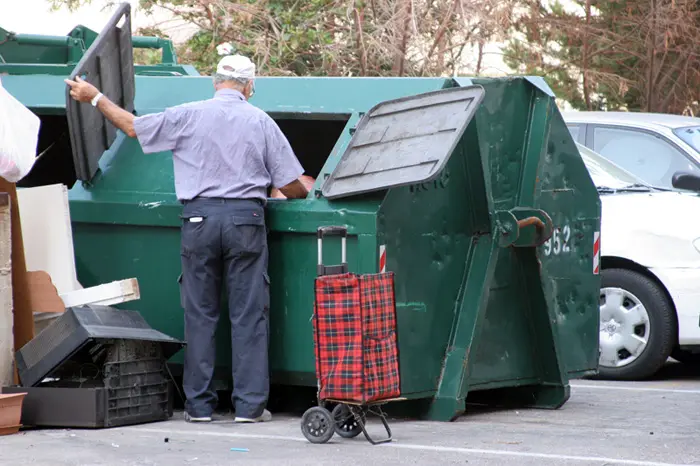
{"x":657,"y":325}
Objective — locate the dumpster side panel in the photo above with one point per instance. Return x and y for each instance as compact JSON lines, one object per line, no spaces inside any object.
{"x":533,"y":137}
{"x":505,"y":355}
{"x":568,"y":258}
{"x":426,"y":231}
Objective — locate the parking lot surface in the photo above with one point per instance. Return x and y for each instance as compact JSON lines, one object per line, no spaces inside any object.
{"x":604,"y":423}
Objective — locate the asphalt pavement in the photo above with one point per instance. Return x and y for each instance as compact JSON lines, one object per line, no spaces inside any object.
{"x":604,"y":423}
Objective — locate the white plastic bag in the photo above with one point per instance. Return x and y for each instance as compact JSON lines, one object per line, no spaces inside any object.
{"x":19,"y":135}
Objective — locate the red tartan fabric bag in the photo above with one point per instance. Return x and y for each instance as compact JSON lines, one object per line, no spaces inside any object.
{"x":355,"y":337}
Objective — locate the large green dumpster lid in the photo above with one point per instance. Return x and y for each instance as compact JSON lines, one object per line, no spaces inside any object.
{"x":403,"y":141}
{"x":109,"y":65}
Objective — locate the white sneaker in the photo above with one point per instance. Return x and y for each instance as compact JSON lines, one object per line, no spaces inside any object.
{"x":266,"y":416}
{"x":189,"y":418}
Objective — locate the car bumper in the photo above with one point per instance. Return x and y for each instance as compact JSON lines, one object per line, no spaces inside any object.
{"x":683,"y":284}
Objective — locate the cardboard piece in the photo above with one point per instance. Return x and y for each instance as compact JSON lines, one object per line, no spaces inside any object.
{"x":7,"y":354}
{"x":46,"y":305}
{"x":43,"y":296}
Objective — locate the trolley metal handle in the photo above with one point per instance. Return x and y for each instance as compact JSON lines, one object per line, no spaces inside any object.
{"x":332,"y":231}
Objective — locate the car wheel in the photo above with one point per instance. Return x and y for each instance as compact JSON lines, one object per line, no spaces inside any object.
{"x":637,"y":326}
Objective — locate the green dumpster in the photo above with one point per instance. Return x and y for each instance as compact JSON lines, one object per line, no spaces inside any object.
{"x":471,"y":190}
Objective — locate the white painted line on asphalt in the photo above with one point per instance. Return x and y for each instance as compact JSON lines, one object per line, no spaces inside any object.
{"x":216,"y":434}
{"x":524,"y":454}
{"x":409,"y":446}
{"x":635,"y":389}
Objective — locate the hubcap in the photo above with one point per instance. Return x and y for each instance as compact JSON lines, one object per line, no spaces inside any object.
{"x":317,"y":425}
{"x":624,"y":327}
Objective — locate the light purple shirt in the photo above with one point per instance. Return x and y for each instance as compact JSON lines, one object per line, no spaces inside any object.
{"x":222,"y":147}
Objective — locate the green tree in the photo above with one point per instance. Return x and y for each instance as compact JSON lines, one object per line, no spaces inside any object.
{"x":615,"y":54}
{"x":336,"y":37}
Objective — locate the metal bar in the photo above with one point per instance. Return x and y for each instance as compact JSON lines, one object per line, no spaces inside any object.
{"x":47,"y":41}
{"x":320,"y":251}
{"x":147,"y":42}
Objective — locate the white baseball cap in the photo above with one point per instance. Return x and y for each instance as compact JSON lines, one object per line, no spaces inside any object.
{"x":236,"y":66}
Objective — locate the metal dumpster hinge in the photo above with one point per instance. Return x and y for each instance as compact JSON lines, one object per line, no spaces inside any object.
{"x":523,"y":227}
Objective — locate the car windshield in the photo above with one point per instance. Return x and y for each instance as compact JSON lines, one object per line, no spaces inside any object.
{"x":606,"y":174}
{"x":691,"y":136}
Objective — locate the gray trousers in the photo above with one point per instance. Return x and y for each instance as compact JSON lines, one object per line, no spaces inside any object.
{"x":225,"y":239}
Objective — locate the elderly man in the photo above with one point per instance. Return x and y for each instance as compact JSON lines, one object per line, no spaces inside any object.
{"x":226,"y":154}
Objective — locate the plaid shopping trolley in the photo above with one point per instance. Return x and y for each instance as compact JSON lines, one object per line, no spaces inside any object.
{"x":355,"y":340}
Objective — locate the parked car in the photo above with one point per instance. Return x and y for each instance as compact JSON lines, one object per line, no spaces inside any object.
{"x":652,"y":146}
{"x":650,"y":272}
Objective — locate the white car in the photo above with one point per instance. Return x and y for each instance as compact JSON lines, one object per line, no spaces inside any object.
{"x":651,"y":146}
{"x":650,"y":272}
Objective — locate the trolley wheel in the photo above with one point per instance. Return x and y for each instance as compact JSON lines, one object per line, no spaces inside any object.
{"x":317,"y":425}
{"x":345,"y":423}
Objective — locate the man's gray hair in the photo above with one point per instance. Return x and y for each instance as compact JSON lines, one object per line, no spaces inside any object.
{"x":221,"y":78}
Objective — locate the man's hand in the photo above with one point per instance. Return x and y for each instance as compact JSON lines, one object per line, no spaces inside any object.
{"x":81,"y":90}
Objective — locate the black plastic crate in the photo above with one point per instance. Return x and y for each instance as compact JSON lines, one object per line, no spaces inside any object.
{"x":137,"y":391}
{"x":123,"y":382}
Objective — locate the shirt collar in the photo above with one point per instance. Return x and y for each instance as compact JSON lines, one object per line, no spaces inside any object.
{"x":229,"y":94}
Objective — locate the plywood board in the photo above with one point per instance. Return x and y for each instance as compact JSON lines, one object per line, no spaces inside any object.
{"x":6,"y":316}
{"x":48,"y":236}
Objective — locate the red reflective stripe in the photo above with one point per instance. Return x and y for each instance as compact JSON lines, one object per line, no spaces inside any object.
{"x":382,"y":259}
{"x":596,"y":252}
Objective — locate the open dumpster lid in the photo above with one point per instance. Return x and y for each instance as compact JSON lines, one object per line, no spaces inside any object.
{"x":403,"y":141}
{"x":109,"y":65}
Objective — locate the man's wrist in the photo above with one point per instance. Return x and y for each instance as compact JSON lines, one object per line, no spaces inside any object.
{"x":96,"y":99}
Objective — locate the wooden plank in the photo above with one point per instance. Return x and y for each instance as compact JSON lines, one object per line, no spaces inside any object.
{"x":7,"y":355}
{"x":23,"y":329}
{"x":106,"y":295}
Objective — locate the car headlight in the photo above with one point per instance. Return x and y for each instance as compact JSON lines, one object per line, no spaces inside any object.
{"x":696,"y":244}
